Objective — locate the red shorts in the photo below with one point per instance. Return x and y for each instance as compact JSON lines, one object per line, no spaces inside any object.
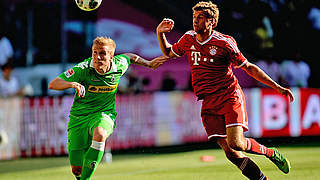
{"x":221,"y":112}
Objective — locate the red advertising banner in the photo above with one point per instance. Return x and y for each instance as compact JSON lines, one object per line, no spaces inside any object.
{"x":272,"y":115}
{"x":310,"y":112}
{"x":275,"y":114}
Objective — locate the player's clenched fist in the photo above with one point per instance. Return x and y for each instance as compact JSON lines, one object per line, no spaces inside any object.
{"x":79,"y":88}
{"x":165,"y":26}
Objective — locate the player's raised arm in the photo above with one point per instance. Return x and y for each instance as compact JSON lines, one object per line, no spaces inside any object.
{"x":153,"y":64}
{"x":257,"y":73}
{"x":165,"y":26}
{"x":60,"y":84}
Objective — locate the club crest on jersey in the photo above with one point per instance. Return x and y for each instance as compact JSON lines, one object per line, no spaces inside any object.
{"x":113,"y":79}
{"x":69,"y":73}
{"x":93,"y":165}
{"x":213,"y":50}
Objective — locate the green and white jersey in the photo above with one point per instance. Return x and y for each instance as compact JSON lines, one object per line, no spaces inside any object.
{"x":101,"y":90}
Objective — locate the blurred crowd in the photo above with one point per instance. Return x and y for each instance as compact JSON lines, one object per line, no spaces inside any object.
{"x":280,"y":36}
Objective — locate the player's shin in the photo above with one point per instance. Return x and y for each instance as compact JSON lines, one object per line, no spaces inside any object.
{"x":92,"y":159}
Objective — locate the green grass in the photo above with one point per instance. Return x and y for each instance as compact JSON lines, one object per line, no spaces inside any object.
{"x":174,"y":166}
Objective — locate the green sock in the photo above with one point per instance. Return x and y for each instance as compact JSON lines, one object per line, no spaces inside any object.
{"x":91,"y":160}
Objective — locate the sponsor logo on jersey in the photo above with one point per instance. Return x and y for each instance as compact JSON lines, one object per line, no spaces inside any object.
{"x":95,"y":80}
{"x":196,"y":58}
{"x":93,"y":165}
{"x":101,"y":89}
{"x":69,"y":73}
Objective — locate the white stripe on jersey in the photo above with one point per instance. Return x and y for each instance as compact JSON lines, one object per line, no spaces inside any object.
{"x":237,"y":124}
{"x":244,"y":62}
{"x":174,"y":52}
{"x":229,"y":41}
{"x":217,"y":135}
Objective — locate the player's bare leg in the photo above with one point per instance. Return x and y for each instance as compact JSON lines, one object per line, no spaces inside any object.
{"x":76,"y":170}
{"x":245,"y":164}
{"x":94,"y":153}
{"x":237,"y":141}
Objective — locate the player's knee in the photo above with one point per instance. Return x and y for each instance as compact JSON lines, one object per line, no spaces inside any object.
{"x":237,"y":145}
{"x":76,"y":170}
{"x":99,"y":134}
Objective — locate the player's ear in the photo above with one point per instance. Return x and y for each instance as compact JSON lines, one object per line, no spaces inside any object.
{"x":212,"y":21}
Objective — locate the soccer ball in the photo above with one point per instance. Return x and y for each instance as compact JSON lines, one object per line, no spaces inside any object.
{"x":88,"y":5}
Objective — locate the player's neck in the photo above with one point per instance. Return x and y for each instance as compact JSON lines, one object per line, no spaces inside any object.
{"x":104,"y":70}
{"x":204,"y":35}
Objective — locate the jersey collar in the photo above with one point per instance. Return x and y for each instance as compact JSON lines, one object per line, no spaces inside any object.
{"x":113,"y":67}
{"x":204,"y":42}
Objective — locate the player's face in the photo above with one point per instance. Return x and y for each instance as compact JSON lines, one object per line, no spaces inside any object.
{"x":201,"y":23}
{"x":102,"y":56}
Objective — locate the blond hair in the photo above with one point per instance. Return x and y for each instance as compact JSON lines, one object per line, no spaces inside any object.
{"x":104,"y":41}
{"x":211,"y":10}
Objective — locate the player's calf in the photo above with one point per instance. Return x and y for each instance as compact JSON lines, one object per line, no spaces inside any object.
{"x":254,"y":147}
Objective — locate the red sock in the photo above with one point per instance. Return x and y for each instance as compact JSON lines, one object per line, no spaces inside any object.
{"x":255,"y":148}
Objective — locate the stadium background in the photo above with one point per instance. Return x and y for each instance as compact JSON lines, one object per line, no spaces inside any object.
{"x":49,"y":36}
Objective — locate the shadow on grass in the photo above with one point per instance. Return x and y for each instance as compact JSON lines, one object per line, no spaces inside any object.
{"x":26,"y":164}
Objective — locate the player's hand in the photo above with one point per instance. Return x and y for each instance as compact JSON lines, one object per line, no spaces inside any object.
{"x":158,"y":61}
{"x":165,"y":26}
{"x":286,"y":92}
{"x":79,"y":88}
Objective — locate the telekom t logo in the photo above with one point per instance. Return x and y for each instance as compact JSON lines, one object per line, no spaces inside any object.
{"x":195,"y":56}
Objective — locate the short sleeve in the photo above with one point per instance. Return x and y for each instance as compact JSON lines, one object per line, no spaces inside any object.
{"x":75,"y":73}
{"x":179,"y":48}
{"x":236,"y":57}
{"x":122,"y":62}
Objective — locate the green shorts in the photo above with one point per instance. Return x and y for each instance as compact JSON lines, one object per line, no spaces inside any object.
{"x":80,"y":136}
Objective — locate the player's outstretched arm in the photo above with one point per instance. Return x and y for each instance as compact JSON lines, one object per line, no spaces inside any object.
{"x":60,"y":84}
{"x":165,"y":26}
{"x":257,"y":73}
{"x":153,"y":64}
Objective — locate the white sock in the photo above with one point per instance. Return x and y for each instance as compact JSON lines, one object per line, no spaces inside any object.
{"x":98,"y":145}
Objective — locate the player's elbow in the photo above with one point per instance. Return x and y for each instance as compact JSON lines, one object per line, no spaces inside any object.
{"x":52,"y":84}
{"x":166,"y":52}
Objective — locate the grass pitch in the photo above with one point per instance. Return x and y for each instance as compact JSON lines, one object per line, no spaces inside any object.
{"x":305,"y":163}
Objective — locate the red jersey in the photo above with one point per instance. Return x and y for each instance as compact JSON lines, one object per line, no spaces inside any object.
{"x":211,"y":62}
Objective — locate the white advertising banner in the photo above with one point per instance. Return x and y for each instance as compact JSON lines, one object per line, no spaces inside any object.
{"x":10,"y":118}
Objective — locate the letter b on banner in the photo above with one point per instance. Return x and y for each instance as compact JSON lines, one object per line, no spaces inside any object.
{"x":274,"y":112}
